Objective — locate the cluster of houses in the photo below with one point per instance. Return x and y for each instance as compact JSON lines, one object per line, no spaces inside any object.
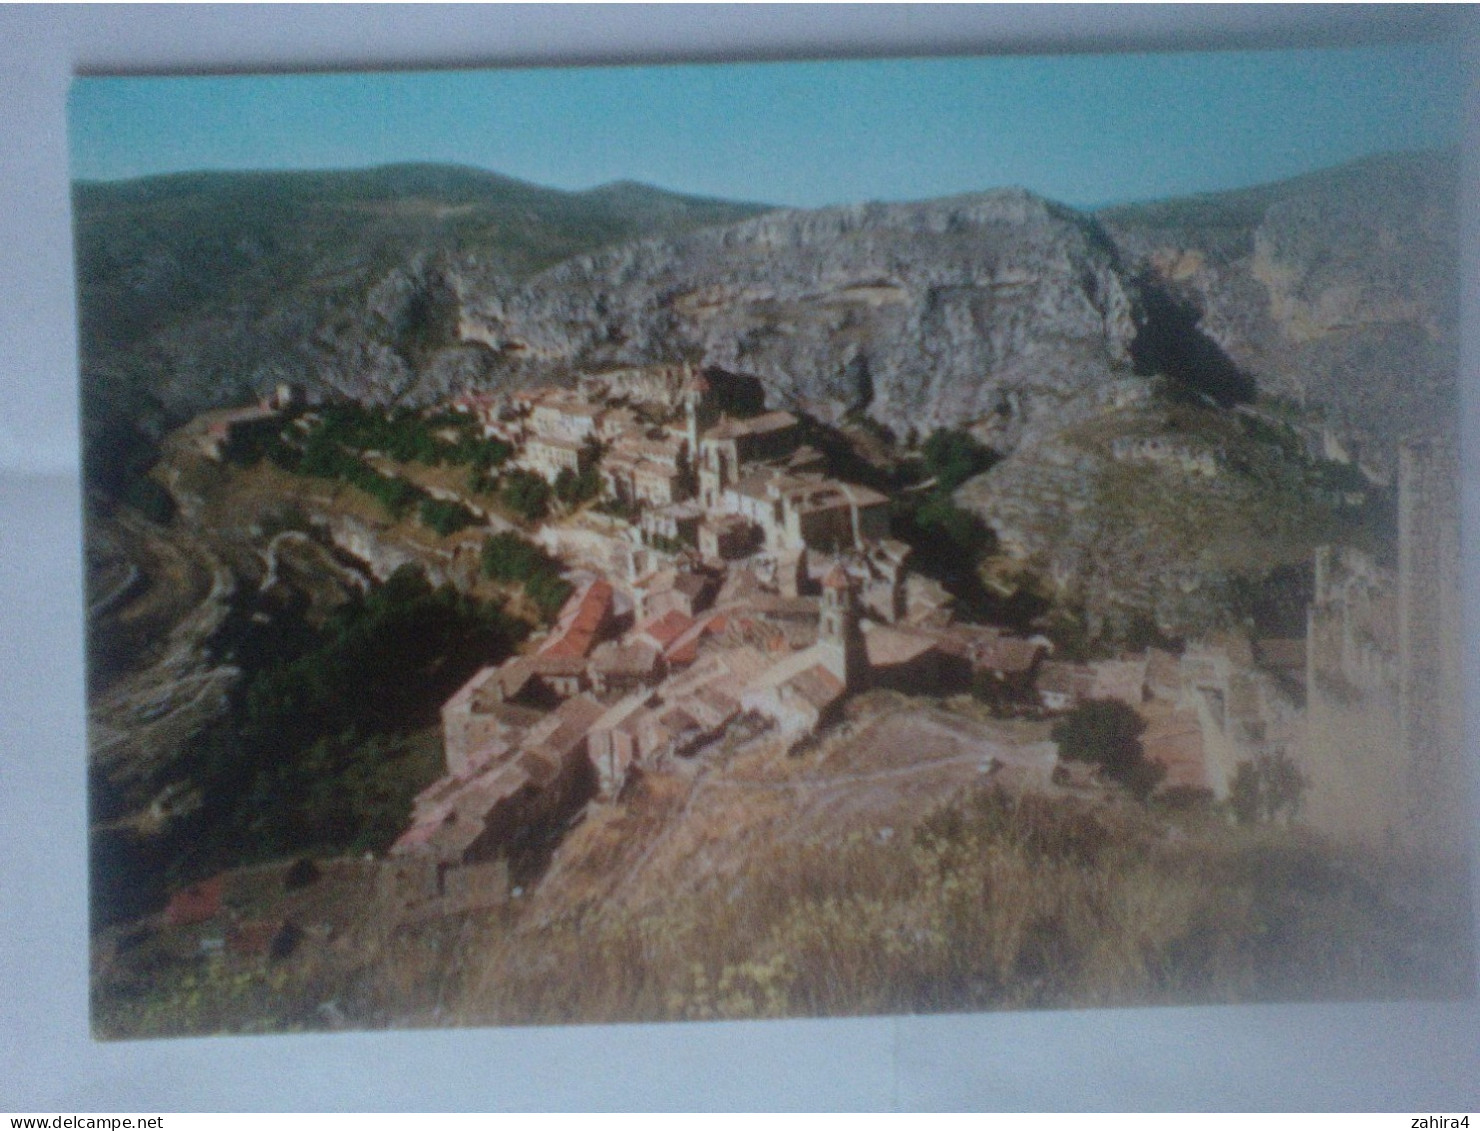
{"x":753,"y":593}
{"x":638,"y":674}
{"x":727,"y":486}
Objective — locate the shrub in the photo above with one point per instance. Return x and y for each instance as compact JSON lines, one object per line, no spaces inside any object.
{"x":510,"y":558}
{"x":445,"y":516}
{"x":549,"y":592}
{"x":572,"y":489}
{"x":1269,"y":788}
{"x":321,"y":752}
{"x":326,"y":458}
{"x":1107,"y":733}
{"x":953,"y":457}
{"x":526,"y":494}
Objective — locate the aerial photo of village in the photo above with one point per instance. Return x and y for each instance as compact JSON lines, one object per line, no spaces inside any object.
{"x":607,"y":556}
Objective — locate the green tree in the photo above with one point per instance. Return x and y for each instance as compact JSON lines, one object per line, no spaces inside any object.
{"x":953,"y":457}
{"x":510,"y":558}
{"x":1268,"y":788}
{"x":565,"y":486}
{"x":445,"y":516}
{"x":1107,"y":733}
{"x":948,"y":529}
{"x":549,"y":592}
{"x":526,"y":494}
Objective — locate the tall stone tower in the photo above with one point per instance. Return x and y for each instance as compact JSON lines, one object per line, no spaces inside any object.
{"x":1385,"y":708}
{"x":838,"y":629}
{"x":694,"y":389}
{"x":1430,"y":633}
{"x":1352,"y":749}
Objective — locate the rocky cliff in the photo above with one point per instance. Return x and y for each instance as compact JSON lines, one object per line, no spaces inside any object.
{"x":202,"y":290}
{"x":919,"y":314}
{"x":1338,"y":288}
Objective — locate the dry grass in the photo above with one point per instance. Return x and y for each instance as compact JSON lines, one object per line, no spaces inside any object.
{"x":994,"y":902}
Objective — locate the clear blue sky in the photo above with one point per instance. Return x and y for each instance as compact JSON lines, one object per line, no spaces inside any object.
{"x":1082,"y":129}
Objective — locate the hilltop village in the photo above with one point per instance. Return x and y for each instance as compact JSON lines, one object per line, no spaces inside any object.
{"x":725,"y":586}
{"x":728,"y":616}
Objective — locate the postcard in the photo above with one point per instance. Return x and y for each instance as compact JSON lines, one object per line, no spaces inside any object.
{"x":772,"y":540}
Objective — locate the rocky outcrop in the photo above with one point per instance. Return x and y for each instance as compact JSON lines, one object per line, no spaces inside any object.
{"x":1338,"y":289}
{"x":381,"y":555}
{"x":1002,"y":312}
{"x":920,"y":314}
{"x":202,"y":290}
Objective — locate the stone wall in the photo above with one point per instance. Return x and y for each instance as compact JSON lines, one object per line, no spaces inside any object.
{"x":1385,"y":721}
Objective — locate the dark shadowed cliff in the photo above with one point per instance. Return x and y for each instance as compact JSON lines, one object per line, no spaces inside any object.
{"x":1338,"y":289}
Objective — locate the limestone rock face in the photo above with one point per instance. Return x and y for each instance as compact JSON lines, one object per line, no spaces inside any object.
{"x":1340,"y":288}
{"x":998,"y":311}
{"x":920,"y":314}
{"x":202,"y":290}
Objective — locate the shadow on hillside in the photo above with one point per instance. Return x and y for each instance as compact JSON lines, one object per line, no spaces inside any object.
{"x":1169,"y":343}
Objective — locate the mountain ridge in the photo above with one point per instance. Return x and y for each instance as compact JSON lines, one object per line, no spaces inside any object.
{"x":407,"y":282}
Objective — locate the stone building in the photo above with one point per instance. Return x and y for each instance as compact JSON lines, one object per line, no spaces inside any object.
{"x":1006,"y":666}
{"x":731,"y":445}
{"x":651,"y":726}
{"x":549,"y":456}
{"x":1385,"y":710}
{"x":617,"y":668}
{"x":1430,"y":636}
{"x":586,"y":617}
{"x":482,"y":721}
{"x":686,"y":590}
{"x":806,"y":510}
{"x":839,"y":632}
{"x":672,"y":525}
{"x":650,"y":470}
{"x":830,"y":515}
{"x":727,"y":537}
{"x":472,"y":818}
{"x":803,"y":691}
{"x":915,"y":661}
{"x":660,"y":385}
{"x":565,"y":416}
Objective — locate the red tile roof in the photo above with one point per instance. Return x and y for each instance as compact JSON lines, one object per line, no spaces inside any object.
{"x":685,"y":648}
{"x":196,"y":903}
{"x":664,"y":630}
{"x":582,"y":618}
